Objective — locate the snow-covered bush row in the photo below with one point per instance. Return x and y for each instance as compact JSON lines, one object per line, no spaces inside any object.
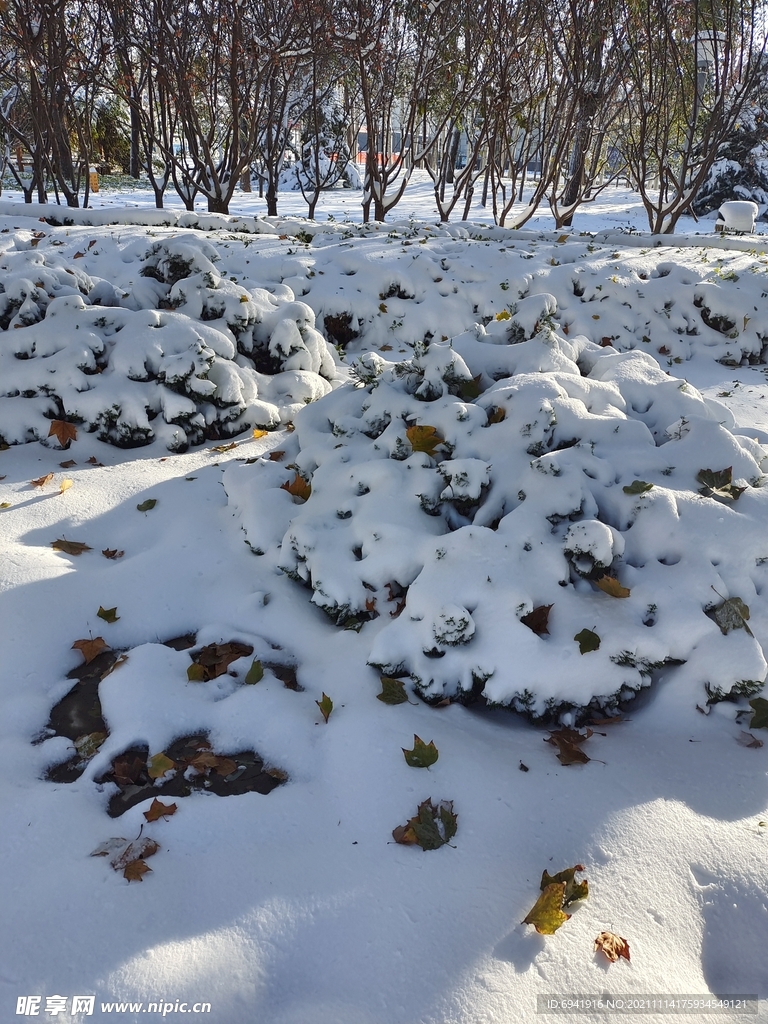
{"x":182,"y":355}
{"x":674,"y":304}
{"x":504,"y":508}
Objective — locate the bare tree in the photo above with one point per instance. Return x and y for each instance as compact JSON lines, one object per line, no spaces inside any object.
{"x":50,"y":53}
{"x":686,"y":71}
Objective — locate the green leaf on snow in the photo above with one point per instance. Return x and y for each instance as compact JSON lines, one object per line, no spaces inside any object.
{"x":638,"y":487}
{"x":760,"y":718}
{"x":587,"y":641}
{"x":392,"y":691}
{"x":255,"y":673}
{"x":423,"y":754}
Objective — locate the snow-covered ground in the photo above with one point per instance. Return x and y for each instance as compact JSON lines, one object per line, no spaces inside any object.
{"x":530,"y":474}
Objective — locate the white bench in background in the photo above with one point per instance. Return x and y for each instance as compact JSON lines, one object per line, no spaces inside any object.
{"x":737,"y":215}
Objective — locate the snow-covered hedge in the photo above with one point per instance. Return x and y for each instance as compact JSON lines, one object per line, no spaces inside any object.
{"x":543,"y":521}
{"x":182,"y":356}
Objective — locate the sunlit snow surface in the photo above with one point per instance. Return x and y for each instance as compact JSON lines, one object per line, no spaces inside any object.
{"x":296,"y":906}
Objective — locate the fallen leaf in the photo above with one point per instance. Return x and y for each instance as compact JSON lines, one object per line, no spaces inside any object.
{"x":546,"y":915}
{"x":423,"y":754}
{"x":587,"y":641}
{"x":138,"y":849}
{"x":326,"y":706}
{"x":538,"y":619}
{"x":611,"y":586}
{"x":145,"y":506}
{"x":224,"y":766}
{"x":78,"y":255}
{"x":64,"y":486}
{"x":42,"y":480}
{"x":718,"y":484}
{"x":760,"y":718}
{"x":90,"y":649}
{"x":93,"y":461}
{"x":213,"y":660}
{"x":392,"y":691}
{"x":109,"y":846}
{"x":425,"y":439}
{"x":497,"y":414}
{"x":276,"y":455}
{"x":127,"y":772}
{"x":637,"y":487}
{"x":64,"y":432}
{"x":255,"y":673}
{"x":159,"y":810}
{"x":470,"y":389}
{"x":5,"y":504}
{"x":731,"y":614}
{"x":204,"y":761}
{"x":159,"y":765}
{"x":70,"y":547}
{"x":112,"y":553}
{"x":573,"y":890}
{"x":68,"y":464}
{"x":298,"y":487}
{"x":86,"y":746}
{"x":135,"y":869}
{"x":568,"y":743}
{"x":260,"y":433}
{"x":612,"y":945}
{"x":433,"y":826}
{"x":108,"y":614}
{"x":557,"y":892}
{"x":746,"y":739}
{"x":224,"y":447}
{"x":523,"y":767}
{"x":115,"y":665}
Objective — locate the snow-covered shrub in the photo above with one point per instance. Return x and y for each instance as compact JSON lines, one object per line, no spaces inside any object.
{"x":183,"y":355}
{"x":564,"y":481}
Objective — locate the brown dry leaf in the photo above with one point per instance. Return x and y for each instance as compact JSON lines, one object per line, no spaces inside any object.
{"x":568,"y":742}
{"x":746,"y":739}
{"x":612,"y":945}
{"x":90,"y":649}
{"x":538,"y":619}
{"x":159,"y":810}
{"x":70,"y":547}
{"x":214,"y":660}
{"x":298,"y":487}
{"x":68,"y":464}
{"x":112,"y":553}
{"x":135,"y":869}
{"x":127,"y":772}
{"x":78,"y":255}
{"x":611,"y":586}
{"x":276,"y":455}
{"x":225,"y":447}
{"x":93,"y":461}
{"x":139,"y":848}
{"x":224,"y":766}
{"x":63,"y":432}
{"x":204,"y":760}
{"x":64,"y":486}
{"x":42,"y":480}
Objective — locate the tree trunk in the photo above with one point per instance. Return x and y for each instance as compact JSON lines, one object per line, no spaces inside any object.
{"x":135,"y":161}
{"x":217,"y":204}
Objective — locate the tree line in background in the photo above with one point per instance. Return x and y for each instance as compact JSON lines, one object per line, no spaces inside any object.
{"x":206,"y":96}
